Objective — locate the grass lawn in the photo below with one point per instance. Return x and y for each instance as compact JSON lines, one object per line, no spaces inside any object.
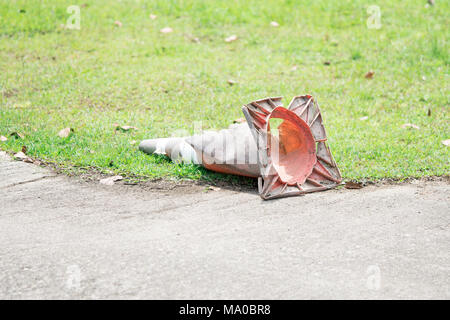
{"x":129,"y":73}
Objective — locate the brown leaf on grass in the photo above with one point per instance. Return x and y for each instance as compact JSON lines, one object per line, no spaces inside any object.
{"x":123,"y":128}
{"x":3,"y":138}
{"x":153,"y":16}
{"x":410,"y":125}
{"x":353,"y":185}
{"x":231,"y":82}
{"x":64,"y":133}
{"x":110,"y":180}
{"x":446,"y":142}
{"x":369,"y":75}
{"x":166,"y":30}
{"x":192,"y":38}
{"x":327,"y":63}
{"x":126,"y":128}
{"x":118,"y":23}
{"x":240,"y":120}
{"x":22,"y":157}
{"x":429,"y":112}
{"x":17,"y":135}
{"x":274,"y":24}
{"x":231,"y":38}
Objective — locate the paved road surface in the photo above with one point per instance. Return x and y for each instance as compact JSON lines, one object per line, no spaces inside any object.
{"x":64,"y":238}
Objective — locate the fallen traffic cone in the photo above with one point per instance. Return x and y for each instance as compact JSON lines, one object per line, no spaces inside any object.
{"x":291,"y":158}
{"x":296,"y":159}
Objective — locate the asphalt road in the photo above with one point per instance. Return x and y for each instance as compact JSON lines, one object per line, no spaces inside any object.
{"x":63,"y":238}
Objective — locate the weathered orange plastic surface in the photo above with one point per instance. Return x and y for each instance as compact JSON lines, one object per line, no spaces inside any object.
{"x":302,"y":161}
{"x":294,"y":151}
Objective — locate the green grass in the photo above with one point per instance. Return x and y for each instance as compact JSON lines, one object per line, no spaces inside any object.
{"x":89,"y":79}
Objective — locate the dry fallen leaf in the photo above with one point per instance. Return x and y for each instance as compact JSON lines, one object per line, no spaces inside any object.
{"x":410,"y":125}
{"x":429,"y":112}
{"x":110,"y":180}
{"x":192,"y":38}
{"x":118,"y":23}
{"x":153,"y":16}
{"x":231,"y":38}
{"x":274,"y":24}
{"x":22,"y":157}
{"x":446,"y":142}
{"x":166,"y":30}
{"x":364,"y":118}
{"x":24,"y":149}
{"x":64,"y":133}
{"x":353,"y":185}
{"x":126,"y":128}
{"x":3,"y":138}
{"x":231,"y":82}
{"x":17,"y":135}
{"x":369,"y":75}
{"x":327,"y":63}
{"x":240,"y":120}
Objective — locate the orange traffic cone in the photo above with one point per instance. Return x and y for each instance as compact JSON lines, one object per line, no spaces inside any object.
{"x":294,"y":158}
{"x":291,"y":157}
